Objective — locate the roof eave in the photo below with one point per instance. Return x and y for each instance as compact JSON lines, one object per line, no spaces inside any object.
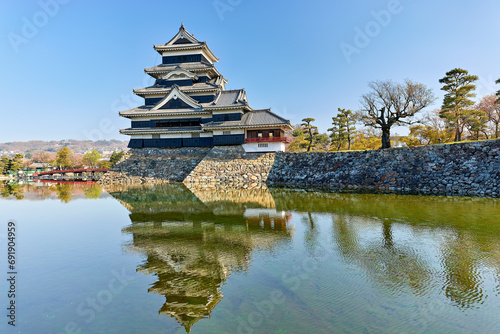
{"x":161,"y":48}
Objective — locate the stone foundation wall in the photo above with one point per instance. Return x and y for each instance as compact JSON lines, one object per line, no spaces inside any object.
{"x":232,"y":165}
{"x":221,"y":165}
{"x":155,"y":165}
{"x":471,"y":169}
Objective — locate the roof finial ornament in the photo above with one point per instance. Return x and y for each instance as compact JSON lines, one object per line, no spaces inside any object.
{"x":182,"y":25}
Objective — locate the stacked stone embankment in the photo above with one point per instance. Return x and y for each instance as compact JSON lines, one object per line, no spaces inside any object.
{"x":471,"y":169}
{"x":155,"y":166}
{"x":232,"y":165}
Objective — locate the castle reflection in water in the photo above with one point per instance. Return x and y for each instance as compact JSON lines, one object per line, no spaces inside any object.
{"x":195,"y":238}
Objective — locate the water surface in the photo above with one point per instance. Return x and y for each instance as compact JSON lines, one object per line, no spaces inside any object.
{"x":170,"y":259}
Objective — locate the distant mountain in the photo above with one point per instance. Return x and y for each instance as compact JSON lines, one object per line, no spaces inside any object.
{"x":76,"y":146}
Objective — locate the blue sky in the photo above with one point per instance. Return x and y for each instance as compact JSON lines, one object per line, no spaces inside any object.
{"x":67,"y":69}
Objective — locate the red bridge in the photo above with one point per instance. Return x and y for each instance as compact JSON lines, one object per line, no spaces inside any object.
{"x":65,"y":171}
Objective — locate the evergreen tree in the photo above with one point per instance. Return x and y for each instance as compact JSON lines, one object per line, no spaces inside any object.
{"x":476,"y":122}
{"x":310,"y":131}
{"x":321,"y":142}
{"x":459,"y":85}
{"x":16,"y":164}
{"x":104,"y":164}
{"x":63,"y":158}
{"x":115,"y":157}
{"x":343,"y":128}
{"x":4,"y":165}
{"x":338,"y":131}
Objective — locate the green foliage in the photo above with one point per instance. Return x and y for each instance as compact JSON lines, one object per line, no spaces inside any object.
{"x":64,"y":192}
{"x":8,"y":189}
{"x":310,"y":131}
{"x":342,"y":129}
{"x":321,"y":142}
{"x":104,"y":164}
{"x":16,"y":164}
{"x":476,"y":122}
{"x":91,"y":158}
{"x":4,"y":165}
{"x":426,"y":135}
{"x":28,"y":155}
{"x":93,"y":192}
{"x":298,"y":144}
{"x":459,"y":87}
{"x":116,"y":156}
{"x":297,"y":132}
{"x":63,"y":158}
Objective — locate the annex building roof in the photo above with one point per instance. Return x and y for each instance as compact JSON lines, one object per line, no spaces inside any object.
{"x":255,"y":118}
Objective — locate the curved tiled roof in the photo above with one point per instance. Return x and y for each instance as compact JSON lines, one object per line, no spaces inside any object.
{"x":165,"y":90}
{"x":254,"y":118}
{"x":228,"y":98}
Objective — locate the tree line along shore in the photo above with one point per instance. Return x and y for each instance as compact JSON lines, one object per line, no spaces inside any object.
{"x":389,"y":104}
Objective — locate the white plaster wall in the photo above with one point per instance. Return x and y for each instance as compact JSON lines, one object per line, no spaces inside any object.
{"x":141,"y":136}
{"x":233,"y":132}
{"x":271,"y":147}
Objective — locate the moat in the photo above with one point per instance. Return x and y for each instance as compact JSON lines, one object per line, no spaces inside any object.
{"x":167,"y":259}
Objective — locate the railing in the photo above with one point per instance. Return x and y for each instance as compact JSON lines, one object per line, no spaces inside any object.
{"x":266,"y":139}
{"x":72,"y":171}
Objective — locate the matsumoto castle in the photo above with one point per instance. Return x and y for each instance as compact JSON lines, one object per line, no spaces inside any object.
{"x":189,"y":106}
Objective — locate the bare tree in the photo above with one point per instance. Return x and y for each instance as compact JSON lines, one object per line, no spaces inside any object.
{"x":389,"y":103}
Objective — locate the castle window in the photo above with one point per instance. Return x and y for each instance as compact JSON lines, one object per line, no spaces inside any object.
{"x":264,"y":145}
{"x":195,"y":135}
{"x":156,"y":136}
{"x":226,"y":132}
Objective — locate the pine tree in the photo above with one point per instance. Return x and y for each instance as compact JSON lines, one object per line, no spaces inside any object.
{"x":458,"y":84}
{"x":310,"y":131}
{"x":338,"y":131}
{"x":350,"y":121}
{"x":115,"y":157}
{"x":16,"y":164}
{"x":4,"y":165}
{"x":476,"y":122}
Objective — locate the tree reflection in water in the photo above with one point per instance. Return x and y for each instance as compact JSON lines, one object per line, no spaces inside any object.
{"x":467,"y":252}
{"x":11,"y":189}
